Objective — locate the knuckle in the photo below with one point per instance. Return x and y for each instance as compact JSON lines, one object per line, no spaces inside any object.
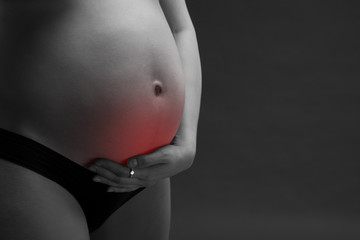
{"x":92,"y":168}
{"x":112,"y":168}
{"x":172,"y":159}
{"x":118,"y":180}
{"x":141,"y":161}
{"x":110,"y":177}
{"x":170,"y":156}
{"x":165,"y":154}
{"x":99,"y":162}
{"x":123,"y":172}
{"x":107,"y":174}
{"x":100,"y":171}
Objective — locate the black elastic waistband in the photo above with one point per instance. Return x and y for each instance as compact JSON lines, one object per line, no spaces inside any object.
{"x":41,"y":159}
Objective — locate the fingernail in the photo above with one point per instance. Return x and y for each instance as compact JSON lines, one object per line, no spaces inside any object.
{"x":96,"y":179}
{"x":133,"y":163}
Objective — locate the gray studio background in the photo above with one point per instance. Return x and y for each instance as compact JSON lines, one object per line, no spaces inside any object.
{"x":278,"y":147}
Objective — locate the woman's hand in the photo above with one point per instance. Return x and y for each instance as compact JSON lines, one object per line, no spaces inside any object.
{"x":165,"y":162}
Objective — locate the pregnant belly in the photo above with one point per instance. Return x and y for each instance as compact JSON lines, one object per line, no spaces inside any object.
{"x":135,"y":118}
{"x":113,"y":119}
{"x":96,"y":84}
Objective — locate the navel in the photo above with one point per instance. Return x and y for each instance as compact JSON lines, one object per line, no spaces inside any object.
{"x":158,"y":88}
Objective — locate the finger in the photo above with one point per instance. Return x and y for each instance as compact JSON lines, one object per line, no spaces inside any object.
{"x":92,"y":168}
{"x":105,"y":173}
{"x":116,"y":179}
{"x":147,"y":160}
{"x":115,"y":184}
{"x":114,"y":167}
{"x":120,"y":189}
{"x":129,"y":181}
{"x":106,"y":181}
{"x":147,"y":176}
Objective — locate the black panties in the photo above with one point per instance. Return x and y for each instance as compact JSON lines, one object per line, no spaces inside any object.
{"x":95,"y":201}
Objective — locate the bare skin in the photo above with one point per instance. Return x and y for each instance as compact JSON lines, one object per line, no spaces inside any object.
{"x":101,"y":79}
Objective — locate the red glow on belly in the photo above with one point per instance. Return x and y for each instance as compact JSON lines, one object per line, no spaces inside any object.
{"x":144,"y":126}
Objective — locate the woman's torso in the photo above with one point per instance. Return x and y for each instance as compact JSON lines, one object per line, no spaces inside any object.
{"x":90,"y":78}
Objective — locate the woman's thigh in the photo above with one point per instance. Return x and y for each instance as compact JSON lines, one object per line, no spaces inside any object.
{"x":34,"y":207}
{"x":146,"y":216}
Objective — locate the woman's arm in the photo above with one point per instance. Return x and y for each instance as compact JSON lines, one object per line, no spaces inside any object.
{"x":183,"y":30}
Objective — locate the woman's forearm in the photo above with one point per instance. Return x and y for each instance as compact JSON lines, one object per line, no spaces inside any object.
{"x":189,"y":53}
